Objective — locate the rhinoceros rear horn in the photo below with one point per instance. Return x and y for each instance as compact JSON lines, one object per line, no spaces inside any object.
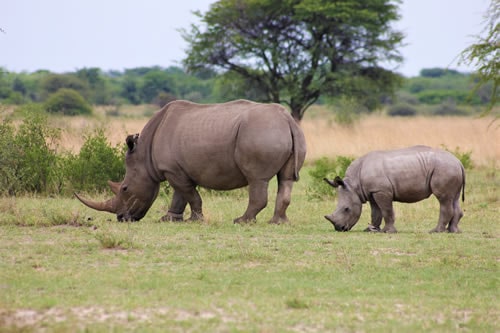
{"x":107,"y":206}
{"x":114,"y":186}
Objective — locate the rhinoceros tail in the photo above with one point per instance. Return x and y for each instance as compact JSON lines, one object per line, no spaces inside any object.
{"x":299,"y":148}
{"x":463,"y":184}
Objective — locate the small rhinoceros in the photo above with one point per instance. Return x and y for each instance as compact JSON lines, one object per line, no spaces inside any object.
{"x":216,"y":146}
{"x":404,"y":175}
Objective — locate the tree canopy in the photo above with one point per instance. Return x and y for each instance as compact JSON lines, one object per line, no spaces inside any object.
{"x":484,"y":54}
{"x":294,"y":51}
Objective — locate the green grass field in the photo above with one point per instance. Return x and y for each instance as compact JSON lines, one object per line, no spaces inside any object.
{"x":66,"y":268}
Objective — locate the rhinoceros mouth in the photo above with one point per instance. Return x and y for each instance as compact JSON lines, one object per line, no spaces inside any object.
{"x":342,"y":228}
{"x":128,"y":218}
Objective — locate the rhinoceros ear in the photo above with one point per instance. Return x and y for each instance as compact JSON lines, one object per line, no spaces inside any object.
{"x":132,"y":142}
{"x":336,"y":182}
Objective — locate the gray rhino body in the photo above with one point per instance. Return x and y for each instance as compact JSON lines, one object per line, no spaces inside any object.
{"x":216,"y":146}
{"x":404,"y":175}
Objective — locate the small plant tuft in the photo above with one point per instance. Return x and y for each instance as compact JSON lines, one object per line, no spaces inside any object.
{"x":296,"y":304}
{"x":113,"y":241}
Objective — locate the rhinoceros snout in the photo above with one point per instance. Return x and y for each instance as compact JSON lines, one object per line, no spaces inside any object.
{"x":335,"y":225}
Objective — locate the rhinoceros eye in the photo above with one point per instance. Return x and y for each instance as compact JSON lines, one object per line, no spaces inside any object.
{"x":124,"y":188}
{"x":346,"y":210}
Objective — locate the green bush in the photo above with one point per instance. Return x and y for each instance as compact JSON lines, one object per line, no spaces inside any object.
{"x":465,"y":157}
{"x":27,"y":156}
{"x":448,"y":109}
{"x":95,"y":164}
{"x":68,"y":102}
{"x":29,"y":162}
{"x":329,"y":168}
{"x":403,"y":110}
{"x":438,"y":96}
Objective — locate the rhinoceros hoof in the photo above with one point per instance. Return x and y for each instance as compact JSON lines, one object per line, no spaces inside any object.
{"x":170,"y":217}
{"x":389,"y":230}
{"x":279,"y":221}
{"x":372,"y":228}
{"x":241,"y":220}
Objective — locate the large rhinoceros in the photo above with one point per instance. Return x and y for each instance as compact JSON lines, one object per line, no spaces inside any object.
{"x":405,"y":175}
{"x":216,"y":146}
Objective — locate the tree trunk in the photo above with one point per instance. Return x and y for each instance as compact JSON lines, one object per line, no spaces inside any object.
{"x":296,"y":114}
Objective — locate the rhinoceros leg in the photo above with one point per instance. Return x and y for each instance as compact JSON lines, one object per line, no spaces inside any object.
{"x":376,"y":218}
{"x":176,"y":209}
{"x":450,"y":214}
{"x":445,"y":214}
{"x":457,"y":215}
{"x":193,"y":198}
{"x":384,"y":202}
{"x":283,"y":199}
{"x":257,"y":200}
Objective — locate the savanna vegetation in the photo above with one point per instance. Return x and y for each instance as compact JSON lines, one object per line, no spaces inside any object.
{"x":66,"y":268}
{"x":436,"y":91}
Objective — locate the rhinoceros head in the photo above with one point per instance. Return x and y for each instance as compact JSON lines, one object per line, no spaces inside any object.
{"x":348,"y":206}
{"x":135,"y":194}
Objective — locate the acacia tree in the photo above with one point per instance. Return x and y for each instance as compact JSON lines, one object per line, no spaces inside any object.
{"x":294,"y":51}
{"x":484,"y":54}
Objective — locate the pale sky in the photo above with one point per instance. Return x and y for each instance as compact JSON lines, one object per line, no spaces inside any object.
{"x":67,"y":35}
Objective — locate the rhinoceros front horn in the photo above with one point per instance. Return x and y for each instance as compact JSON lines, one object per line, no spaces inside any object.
{"x":107,"y":206}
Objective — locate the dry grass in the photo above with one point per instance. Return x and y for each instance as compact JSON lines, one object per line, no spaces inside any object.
{"x":327,"y":138}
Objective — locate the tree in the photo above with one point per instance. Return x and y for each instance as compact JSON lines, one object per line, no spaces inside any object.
{"x":484,"y":53}
{"x":298,"y":50}
{"x":155,"y":82}
{"x":98,"y":89}
{"x":130,"y":89}
{"x":51,"y":83}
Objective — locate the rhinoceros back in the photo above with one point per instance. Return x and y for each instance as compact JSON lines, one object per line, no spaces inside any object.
{"x":222,"y":146}
{"x":409,"y":174}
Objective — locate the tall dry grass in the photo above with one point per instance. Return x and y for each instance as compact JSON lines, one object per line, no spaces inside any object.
{"x":325,"y":137}
{"x":374,"y":132}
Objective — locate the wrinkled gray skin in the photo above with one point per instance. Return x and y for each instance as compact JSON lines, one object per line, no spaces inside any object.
{"x":218,"y":146}
{"x":403,"y":175}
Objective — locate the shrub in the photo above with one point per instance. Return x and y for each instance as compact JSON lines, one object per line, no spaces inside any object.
{"x":448,"y":109}
{"x":68,"y":102}
{"x":329,"y":168}
{"x":28,"y":154}
{"x":464,"y":157}
{"x":51,"y":83}
{"x":347,"y":110}
{"x":163,"y":98}
{"x":437,"y":72}
{"x":403,"y":110}
{"x":96,"y":163}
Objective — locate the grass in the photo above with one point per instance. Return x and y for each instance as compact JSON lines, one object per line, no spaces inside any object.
{"x":66,"y":268}
{"x":82,"y":271}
